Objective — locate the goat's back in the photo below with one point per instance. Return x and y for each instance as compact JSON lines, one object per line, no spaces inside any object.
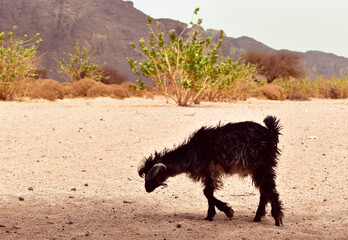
{"x":235,"y":147}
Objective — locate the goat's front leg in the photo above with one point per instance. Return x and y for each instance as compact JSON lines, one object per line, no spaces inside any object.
{"x":224,"y":207}
{"x":209,"y":194}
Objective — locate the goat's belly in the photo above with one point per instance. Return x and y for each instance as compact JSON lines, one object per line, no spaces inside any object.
{"x":239,"y":170}
{"x":243,"y":172}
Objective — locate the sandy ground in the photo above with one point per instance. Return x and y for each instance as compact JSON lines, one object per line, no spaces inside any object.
{"x":68,"y":170}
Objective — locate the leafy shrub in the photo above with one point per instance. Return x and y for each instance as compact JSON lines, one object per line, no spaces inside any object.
{"x":17,"y":63}
{"x":79,"y":66}
{"x":184,"y":69}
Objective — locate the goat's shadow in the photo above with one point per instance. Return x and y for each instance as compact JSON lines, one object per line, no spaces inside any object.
{"x":240,"y":218}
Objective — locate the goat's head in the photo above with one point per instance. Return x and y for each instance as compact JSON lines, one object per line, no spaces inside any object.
{"x":153,"y":171}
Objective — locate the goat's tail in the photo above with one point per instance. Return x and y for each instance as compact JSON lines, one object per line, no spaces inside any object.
{"x":273,"y":125}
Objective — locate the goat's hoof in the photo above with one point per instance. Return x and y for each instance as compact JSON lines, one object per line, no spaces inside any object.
{"x":208,"y":218}
{"x":229,"y":213}
{"x":257,"y":219}
{"x":279,"y":221}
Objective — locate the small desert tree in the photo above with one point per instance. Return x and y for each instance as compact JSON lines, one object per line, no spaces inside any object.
{"x":79,"y":65}
{"x":277,"y":65}
{"x":184,"y":69}
{"x":18,"y":62}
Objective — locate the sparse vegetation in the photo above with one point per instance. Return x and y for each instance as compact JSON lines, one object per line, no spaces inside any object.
{"x":304,"y":89}
{"x":18,"y":62}
{"x":47,"y":89}
{"x":185,"y":69}
{"x":331,"y":87}
{"x":79,"y":65}
{"x":280,"y":89}
{"x":111,"y":76}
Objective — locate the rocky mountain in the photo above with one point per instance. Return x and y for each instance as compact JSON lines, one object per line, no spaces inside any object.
{"x":108,"y":26}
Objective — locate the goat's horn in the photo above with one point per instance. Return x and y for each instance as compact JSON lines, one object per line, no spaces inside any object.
{"x":160,"y":165}
{"x":155,"y":170}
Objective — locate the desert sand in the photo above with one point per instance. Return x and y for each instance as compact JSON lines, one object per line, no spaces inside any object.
{"x":68,"y":170}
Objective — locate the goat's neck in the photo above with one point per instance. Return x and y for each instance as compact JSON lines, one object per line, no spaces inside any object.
{"x":175,"y":162}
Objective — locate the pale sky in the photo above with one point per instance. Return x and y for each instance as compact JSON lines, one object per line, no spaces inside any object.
{"x":297,"y":25}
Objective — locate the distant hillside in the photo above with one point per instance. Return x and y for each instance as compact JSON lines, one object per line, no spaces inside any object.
{"x":109,"y":25}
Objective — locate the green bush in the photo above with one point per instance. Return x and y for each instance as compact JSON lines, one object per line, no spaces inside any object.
{"x":18,"y":62}
{"x":184,"y":69}
{"x":78,"y":65}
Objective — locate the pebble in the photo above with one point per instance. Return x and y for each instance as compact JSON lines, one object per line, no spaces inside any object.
{"x":21,"y":198}
{"x":73,"y":189}
{"x":30,"y":188}
{"x":178,"y":225}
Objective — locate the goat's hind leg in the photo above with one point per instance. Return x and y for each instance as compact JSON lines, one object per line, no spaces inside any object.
{"x":268,"y":191}
{"x":261,"y":210}
{"x":224,"y":207}
{"x":277,"y":209}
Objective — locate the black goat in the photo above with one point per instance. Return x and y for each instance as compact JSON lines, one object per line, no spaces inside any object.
{"x":235,"y":148}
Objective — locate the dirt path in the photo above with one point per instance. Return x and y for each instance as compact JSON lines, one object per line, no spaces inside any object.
{"x":74,"y":165}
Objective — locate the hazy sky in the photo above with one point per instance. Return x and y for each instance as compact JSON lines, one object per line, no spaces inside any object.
{"x":297,"y":25}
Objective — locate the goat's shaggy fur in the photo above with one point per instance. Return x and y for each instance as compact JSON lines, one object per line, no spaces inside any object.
{"x":244,"y":148}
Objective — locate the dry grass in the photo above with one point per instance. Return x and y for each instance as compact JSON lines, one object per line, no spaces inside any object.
{"x":304,"y":89}
{"x":82,"y":86}
{"x":111,"y":76}
{"x":134,"y":90}
{"x":333,"y":88}
{"x":270,"y":91}
{"x":103,"y":90}
{"x":294,"y":89}
{"x":118,"y":91}
{"x":69,"y":90}
{"x":52,"y":90}
{"x":281,"y":89}
{"x":47,"y":89}
{"x":17,"y":90}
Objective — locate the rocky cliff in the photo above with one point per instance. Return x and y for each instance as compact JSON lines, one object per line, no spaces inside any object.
{"x":108,"y":26}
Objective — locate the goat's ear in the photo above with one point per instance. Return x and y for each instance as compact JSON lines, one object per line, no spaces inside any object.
{"x":141,"y":171}
{"x":155,"y":170}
